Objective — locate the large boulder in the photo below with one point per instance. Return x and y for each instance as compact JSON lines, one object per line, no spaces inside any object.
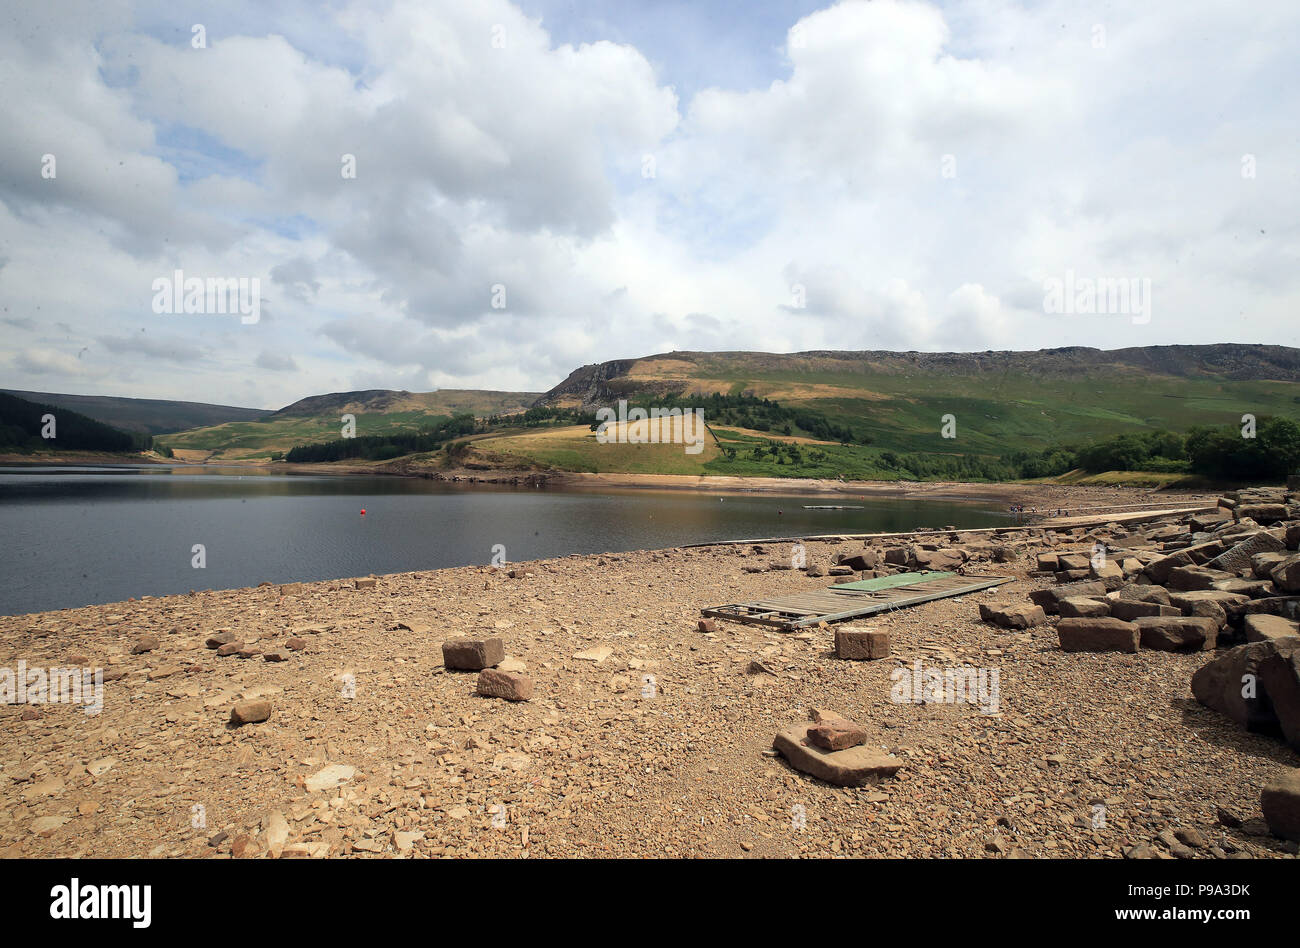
{"x":1204,"y":523}
{"x":1195,"y":577}
{"x":1210,"y":603}
{"x":1288,"y":606}
{"x":1051,"y":597}
{"x":1230,"y":684}
{"x":1261,"y":513}
{"x":1263,"y":564}
{"x":1158,"y":571}
{"x":1286,"y":574}
{"x":1260,"y":627}
{"x":512,"y":686}
{"x":861,"y":644}
{"x":1013,"y":615}
{"x":1070,"y":561}
{"x":1279,"y":676}
{"x":1251,"y":588}
{"x":1097,"y":635}
{"x":867,"y":559}
{"x":1280,"y":801}
{"x":942,"y":559}
{"x":1108,"y":573}
{"x":1238,"y":557}
{"x":1178,"y":633}
{"x":472,"y":654}
{"x":1077,"y":606}
{"x":1138,"y":592}
{"x":1130,"y":609}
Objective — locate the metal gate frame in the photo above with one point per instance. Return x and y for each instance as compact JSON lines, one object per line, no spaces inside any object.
{"x":835,"y":604}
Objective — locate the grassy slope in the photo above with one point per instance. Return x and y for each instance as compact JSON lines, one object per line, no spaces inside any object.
{"x":995,"y":413}
{"x":575,"y":448}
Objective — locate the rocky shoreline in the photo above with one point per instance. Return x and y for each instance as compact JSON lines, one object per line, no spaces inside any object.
{"x":643,"y":731}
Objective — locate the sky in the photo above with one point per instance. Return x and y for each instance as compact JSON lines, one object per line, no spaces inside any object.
{"x":440,"y":194}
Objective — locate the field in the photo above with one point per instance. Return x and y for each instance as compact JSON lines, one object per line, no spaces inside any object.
{"x":575,"y":448}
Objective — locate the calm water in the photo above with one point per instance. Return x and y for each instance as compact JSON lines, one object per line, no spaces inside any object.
{"x":77,"y":536}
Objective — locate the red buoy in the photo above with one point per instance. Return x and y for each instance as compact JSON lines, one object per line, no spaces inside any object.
{"x":363,"y":511}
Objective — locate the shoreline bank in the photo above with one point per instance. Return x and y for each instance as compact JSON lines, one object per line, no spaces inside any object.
{"x":644,"y":736}
{"x":1027,"y":494}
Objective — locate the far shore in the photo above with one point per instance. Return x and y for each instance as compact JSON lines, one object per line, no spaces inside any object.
{"x":1037,"y":498}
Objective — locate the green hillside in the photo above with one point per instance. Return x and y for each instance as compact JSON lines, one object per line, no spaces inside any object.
{"x":1001,"y":402}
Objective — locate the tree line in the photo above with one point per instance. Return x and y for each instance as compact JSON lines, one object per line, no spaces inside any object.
{"x":1265,"y":450}
{"x":387,"y":446}
{"x":22,"y":424}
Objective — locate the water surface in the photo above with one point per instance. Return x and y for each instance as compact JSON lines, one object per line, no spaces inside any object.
{"x":76,"y":536}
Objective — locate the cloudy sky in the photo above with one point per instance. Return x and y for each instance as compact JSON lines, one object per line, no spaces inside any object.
{"x":542,"y":184}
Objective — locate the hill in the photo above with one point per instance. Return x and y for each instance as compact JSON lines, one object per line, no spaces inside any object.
{"x":869,"y":414}
{"x":145,"y":415}
{"x":1001,"y":401}
{"x":318,"y":418}
{"x":23,"y":430}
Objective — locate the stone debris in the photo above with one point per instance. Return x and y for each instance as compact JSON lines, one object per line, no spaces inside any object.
{"x":1098,"y":635}
{"x":327,"y":778}
{"x":1262,"y":626}
{"x":511,"y":686}
{"x":146,"y":643}
{"x":250,"y":712}
{"x":861,"y":644}
{"x":1177,"y":633}
{"x":472,"y":654}
{"x":836,"y":735}
{"x":1013,"y":615}
{"x":596,"y":654}
{"x":1280,"y":801}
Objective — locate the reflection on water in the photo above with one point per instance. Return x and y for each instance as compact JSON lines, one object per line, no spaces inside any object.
{"x":75,"y":536}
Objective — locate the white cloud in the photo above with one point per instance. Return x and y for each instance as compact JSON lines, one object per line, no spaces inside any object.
{"x":919,"y":171}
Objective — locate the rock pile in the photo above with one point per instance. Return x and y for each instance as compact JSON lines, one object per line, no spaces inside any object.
{"x":1192,"y":584}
